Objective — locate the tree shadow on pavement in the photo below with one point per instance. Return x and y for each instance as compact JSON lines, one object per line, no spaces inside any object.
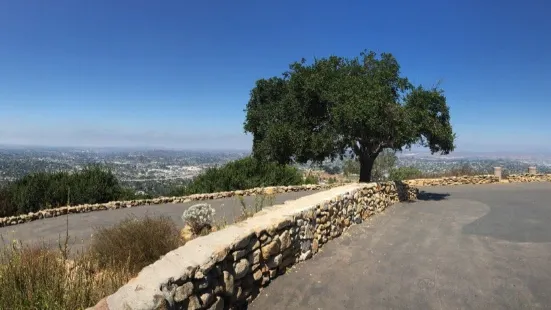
{"x":425,"y":196}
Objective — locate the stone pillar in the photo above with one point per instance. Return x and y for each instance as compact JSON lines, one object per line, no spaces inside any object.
{"x":532,"y":170}
{"x":497,"y":172}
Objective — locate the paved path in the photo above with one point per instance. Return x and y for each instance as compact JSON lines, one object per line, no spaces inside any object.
{"x":82,"y":225}
{"x":463,"y":247}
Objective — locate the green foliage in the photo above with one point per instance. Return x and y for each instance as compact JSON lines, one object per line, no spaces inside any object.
{"x":332,"y":169}
{"x":243,"y":174}
{"x":127,"y":193}
{"x":134,"y":242}
{"x":42,"y":190}
{"x":337,"y":105}
{"x":351,"y":166}
{"x":405,"y":173}
{"x":311,"y":179}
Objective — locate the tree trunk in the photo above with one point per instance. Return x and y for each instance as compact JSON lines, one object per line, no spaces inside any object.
{"x":366,"y":165}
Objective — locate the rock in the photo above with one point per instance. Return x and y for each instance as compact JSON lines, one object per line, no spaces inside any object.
{"x":306,"y":255}
{"x":183,"y":292}
{"x":285,"y":239}
{"x":315,"y":246}
{"x":274,"y":261}
{"x":253,"y":245}
{"x":218,"y":290}
{"x":193,"y":303}
{"x":270,"y":190}
{"x":206,"y":299}
{"x":265,"y":238}
{"x":241,"y":244}
{"x":254,"y":257}
{"x":238,"y":254}
{"x":273,"y":273}
{"x":287,"y":262}
{"x":202,"y":283}
{"x":257,"y":275}
{"x":218,"y":304}
{"x":271,"y":248}
{"x":228,"y":283}
{"x":241,"y":268}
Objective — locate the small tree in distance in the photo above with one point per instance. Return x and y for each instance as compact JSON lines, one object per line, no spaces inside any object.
{"x":337,"y":106}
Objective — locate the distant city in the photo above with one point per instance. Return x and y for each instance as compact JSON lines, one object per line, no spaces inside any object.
{"x":145,"y":170}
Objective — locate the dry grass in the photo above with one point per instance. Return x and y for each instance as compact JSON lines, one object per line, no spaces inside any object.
{"x":260,"y":201}
{"x":37,"y":277}
{"x":134,"y":242}
{"x":41,"y":277}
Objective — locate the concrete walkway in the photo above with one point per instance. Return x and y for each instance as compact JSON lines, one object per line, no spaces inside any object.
{"x":463,"y":247}
{"x":82,"y":225}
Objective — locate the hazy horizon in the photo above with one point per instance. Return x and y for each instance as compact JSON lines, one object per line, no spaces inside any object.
{"x":415,"y":150}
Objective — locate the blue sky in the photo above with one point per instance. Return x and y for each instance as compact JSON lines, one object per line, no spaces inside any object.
{"x":177,"y":74}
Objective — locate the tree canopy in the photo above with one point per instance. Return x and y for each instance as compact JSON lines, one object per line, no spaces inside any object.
{"x":336,"y":106}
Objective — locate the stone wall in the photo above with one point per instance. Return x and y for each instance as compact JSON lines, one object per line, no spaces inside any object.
{"x":518,"y":178}
{"x":32,"y":216}
{"x":480,"y":179}
{"x":228,"y":268}
{"x":477,"y":179}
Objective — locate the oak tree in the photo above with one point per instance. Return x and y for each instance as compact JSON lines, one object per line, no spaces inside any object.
{"x":336,"y":106}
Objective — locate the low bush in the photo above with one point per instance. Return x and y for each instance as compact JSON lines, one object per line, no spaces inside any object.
{"x":244,"y":173}
{"x":134,"y":242}
{"x":405,"y":173}
{"x":311,"y":179}
{"x":199,"y":217}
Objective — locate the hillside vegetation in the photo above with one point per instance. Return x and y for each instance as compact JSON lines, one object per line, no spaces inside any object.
{"x":95,"y":184}
{"x":43,"y":190}
{"x":243,"y":173}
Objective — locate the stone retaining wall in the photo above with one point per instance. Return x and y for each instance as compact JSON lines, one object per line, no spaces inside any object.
{"x":480,"y":179}
{"x":228,"y":268}
{"x":32,"y":216}
{"x":477,"y":179}
{"x":517,"y":178}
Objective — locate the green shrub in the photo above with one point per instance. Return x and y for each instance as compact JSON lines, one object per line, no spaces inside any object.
{"x":311,"y":179}
{"x":7,"y":208}
{"x":404,"y":173}
{"x":243,"y":174}
{"x":43,"y":190}
{"x":134,"y":242}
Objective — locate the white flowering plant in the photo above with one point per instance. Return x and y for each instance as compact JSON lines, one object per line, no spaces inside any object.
{"x":198,"y":217}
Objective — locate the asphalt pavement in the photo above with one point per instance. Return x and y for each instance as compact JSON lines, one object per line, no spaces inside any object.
{"x":461,"y":247}
{"x":81,"y":226}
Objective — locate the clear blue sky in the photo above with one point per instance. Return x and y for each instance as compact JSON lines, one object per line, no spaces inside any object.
{"x":178,"y":73}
